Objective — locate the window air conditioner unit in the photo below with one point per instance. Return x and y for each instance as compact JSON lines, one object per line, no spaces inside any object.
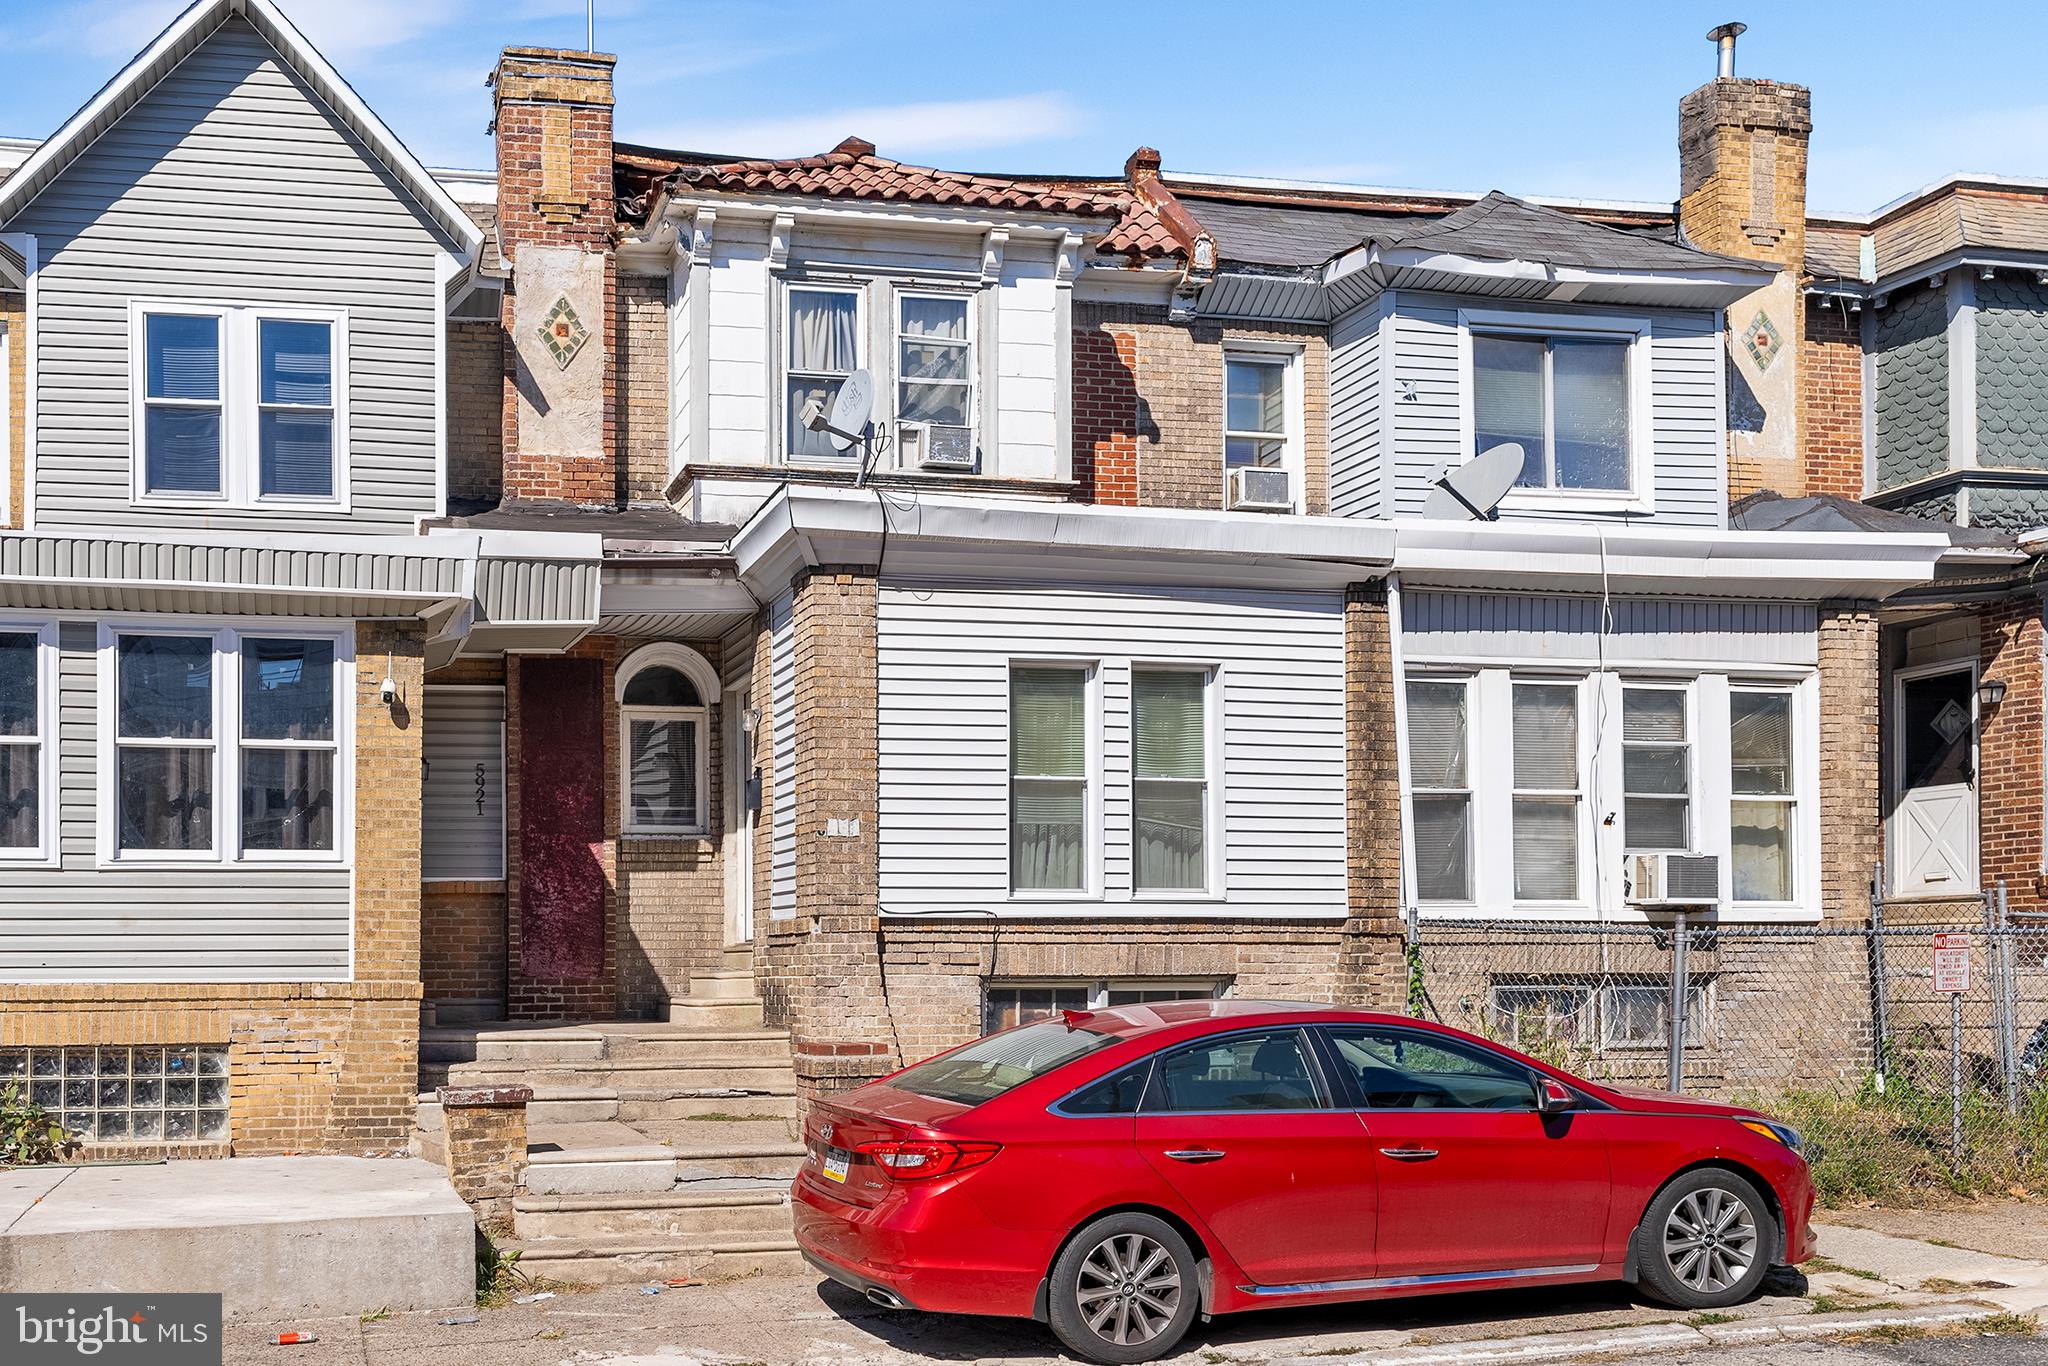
{"x":1256,"y":489}
{"x":1680,"y":881}
{"x":935,"y":446}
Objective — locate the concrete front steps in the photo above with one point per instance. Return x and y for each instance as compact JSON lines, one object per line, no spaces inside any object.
{"x":654,"y":1149}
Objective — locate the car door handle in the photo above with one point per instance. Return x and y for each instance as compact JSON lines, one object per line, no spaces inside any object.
{"x":1408,"y":1154}
{"x":1195,"y":1154}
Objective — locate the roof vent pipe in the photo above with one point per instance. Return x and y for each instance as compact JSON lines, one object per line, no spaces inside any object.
{"x":1723,"y":38}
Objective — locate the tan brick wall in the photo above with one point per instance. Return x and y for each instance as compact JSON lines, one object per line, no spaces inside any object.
{"x":476,"y":438}
{"x":462,"y":941}
{"x":641,"y":347}
{"x":1851,"y":829}
{"x":1173,"y":375}
{"x":14,"y":318}
{"x":1373,"y":971}
{"x":1742,"y":148}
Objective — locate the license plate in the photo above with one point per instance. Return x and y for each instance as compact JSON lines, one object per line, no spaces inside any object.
{"x":835,"y":1162}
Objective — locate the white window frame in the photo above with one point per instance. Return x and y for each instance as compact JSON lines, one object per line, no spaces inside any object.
{"x":973,"y":347}
{"x":1212,"y":784}
{"x":863,"y":343}
{"x":44,"y":851}
{"x":1097,"y":989}
{"x":227,"y":744}
{"x":241,"y":403}
{"x":1803,"y":800}
{"x":1288,"y":358}
{"x":1470,"y":791}
{"x":1092,"y":844}
{"x":1638,"y":495}
{"x":1699,"y":1014}
{"x":1584,"y":720}
{"x":1626,"y":684}
{"x":693,"y":666}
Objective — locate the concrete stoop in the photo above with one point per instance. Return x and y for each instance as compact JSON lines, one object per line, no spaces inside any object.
{"x":654,"y":1149}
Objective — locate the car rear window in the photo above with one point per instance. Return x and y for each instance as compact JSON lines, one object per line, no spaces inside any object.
{"x":988,"y":1067}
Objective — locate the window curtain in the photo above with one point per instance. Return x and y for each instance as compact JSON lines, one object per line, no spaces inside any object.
{"x":1507,"y":399}
{"x":19,"y":796}
{"x":824,"y":337}
{"x":664,"y":773}
{"x":166,"y":799}
{"x":1590,"y":402}
{"x":1049,"y":786}
{"x":1170,"y":797}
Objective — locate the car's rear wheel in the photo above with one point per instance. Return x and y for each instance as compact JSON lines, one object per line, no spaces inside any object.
{"x":1123,"y":1290}
{"x":1706,"y":1241}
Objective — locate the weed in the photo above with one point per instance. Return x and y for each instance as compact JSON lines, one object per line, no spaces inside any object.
{"x":28,"y":1135}
{"x":375,"y":1316}
{"x":498,"y":1276}
{"x":1214,"y":1358}
{"x":1942,"y":1285}
{"x":721,"y":1117}
{"x":1939,"y":1242}
{"x":1709,"y":1319}
{"x":2006,"y":1325}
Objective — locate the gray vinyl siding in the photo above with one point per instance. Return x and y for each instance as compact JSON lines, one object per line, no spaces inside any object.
{"x":1909,"y":402}
{"x":782,"y":691}
{"x":1568,"y":628}
{"x":79,"y":923}
{"x":230,"y":183}
{"x":943,"y":655}
{"x":2012,"y":374}
{"x":1356,"y":452}
{"x":1415,"y":426}
{"x":462,"y":733}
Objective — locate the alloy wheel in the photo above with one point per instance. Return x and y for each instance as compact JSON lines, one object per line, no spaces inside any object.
{"x":1129,"y":1289}
{"x":1710,"y":1239}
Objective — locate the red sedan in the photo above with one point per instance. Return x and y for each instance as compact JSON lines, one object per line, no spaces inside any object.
{"x":1115,"y":1173}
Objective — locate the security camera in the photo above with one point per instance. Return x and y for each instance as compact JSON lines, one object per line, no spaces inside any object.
{"x":387,"y":692}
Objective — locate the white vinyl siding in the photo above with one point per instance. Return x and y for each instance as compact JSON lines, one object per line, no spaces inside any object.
{"x":231,"y":184}
{"x":782,"y":732}
{"x":463,"y":814}
{"x":1276,"y":660}
{"x":74,"y":921}
{"x":1399,"y":403}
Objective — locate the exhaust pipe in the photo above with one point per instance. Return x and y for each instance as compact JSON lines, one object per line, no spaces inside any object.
{"x":888,"y":1299}
{"x":1723,"y":38}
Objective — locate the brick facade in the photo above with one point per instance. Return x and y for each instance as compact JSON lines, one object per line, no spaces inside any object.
{"x":641,"y":329}
{"x":1148,"y":405}
{"x":1372,"y":971}
{"x":14,"y":321}
{"x":1851,"y":828}
{"x":476,"y":431}
{"x":1831,"y":401}
{"x":2010,"y":754}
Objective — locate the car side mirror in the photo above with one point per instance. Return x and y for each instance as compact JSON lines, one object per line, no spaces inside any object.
{"x":1555,"y":1098}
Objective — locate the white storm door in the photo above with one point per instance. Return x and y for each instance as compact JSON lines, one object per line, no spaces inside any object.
{"x":1934,"y":829}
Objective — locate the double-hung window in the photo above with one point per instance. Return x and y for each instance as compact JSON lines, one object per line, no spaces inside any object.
{"x":1256,"y":430}
{"x":256,"y":715}
{"x":1564,"y":398}
{"x":1762,"y":786}
{"x":934,"y":359}
{"x":1050,"y":801}
{"x":25,"y":743}
{"x":1546,"y":791}
{"x":822,"y":327}
{"x":1170,"y":779}
{"x":1656,"y":770}
{"x":1441,"y":825}
{"x":238,"y":405}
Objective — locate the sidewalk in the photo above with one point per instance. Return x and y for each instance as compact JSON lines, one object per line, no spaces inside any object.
{"x":796,"y":1321}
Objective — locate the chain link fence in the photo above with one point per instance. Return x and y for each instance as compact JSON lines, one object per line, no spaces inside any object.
{"x":1913,"y":1056}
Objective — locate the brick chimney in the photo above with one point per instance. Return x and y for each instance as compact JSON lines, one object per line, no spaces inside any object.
{"x":1742,"y":192}
{"x":552,"y":113}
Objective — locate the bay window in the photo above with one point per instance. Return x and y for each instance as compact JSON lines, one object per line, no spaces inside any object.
{"x":1442,"y":800}
{"x":822,"y":347}
{"x":26,"y":742}
{"x":1546,"y":791}
{"x":255,"y":719}
{"x":1763,"y":804}
{"x":1050,"y":804}
{"x":1170,"y":779}
{"x":238,"y":405}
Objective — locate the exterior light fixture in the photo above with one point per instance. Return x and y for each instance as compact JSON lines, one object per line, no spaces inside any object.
{"x":1990,"y":692}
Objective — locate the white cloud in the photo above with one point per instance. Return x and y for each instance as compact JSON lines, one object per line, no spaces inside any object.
{"x":896,"y":129}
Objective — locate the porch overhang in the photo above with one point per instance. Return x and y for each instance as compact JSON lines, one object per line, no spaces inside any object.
{"x":1780,"y":566}
{"x":958,"y":535}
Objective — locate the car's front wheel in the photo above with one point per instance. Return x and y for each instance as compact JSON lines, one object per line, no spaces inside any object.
{"x":1706,"y":1241}
{"x":1123,"y":1290}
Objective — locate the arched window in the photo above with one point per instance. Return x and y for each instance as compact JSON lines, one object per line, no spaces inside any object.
{"x":664,"y":739}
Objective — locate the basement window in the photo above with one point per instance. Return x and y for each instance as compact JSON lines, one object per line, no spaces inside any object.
{"x":1015,"y":1003}
{"x":155,"y":1093}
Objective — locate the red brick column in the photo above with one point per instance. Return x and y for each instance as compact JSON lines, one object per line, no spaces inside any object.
{"x":2009,"y":749}
{"x":1106,"y":415}
{"x":1831,"y":401}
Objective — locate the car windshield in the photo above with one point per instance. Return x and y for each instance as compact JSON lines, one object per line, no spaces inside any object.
{"x":988,"y":1067}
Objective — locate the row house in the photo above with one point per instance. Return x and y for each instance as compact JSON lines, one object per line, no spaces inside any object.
{"x":431,"y":596}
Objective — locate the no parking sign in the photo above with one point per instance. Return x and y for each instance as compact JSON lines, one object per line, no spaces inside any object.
{"x":1952,"y":964}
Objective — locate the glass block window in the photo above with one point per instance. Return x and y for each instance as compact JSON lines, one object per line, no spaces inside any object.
{"x":155,"y":1093}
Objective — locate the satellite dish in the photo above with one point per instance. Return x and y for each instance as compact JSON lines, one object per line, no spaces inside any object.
{"x":849,"y":416}
{"x":1471,"y":491}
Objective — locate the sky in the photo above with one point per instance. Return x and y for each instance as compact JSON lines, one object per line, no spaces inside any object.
{"x":1564,"y":99}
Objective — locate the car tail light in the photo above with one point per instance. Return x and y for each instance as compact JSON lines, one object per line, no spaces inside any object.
{"x":921,"y":1159}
